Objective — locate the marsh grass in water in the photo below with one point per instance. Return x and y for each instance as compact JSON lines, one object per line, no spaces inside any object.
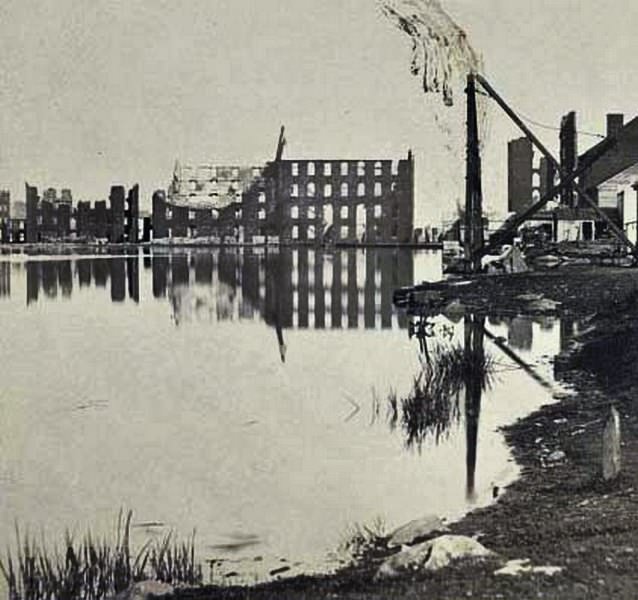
{"x":361,"y":540}
{"x":432,"y":405}
{"x":90,"y":569}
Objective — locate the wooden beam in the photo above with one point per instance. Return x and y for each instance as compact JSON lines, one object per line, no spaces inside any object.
{"x":564,"y":176}
{"x":517,"y":359}
{"x":281,"y":143}
{"x":473,"y":187}
{"x":509,"y":227}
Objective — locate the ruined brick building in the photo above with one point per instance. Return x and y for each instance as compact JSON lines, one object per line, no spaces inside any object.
{"x":611,"y":181}
{"x":52,"y":219}
{"x":206,"y":201}
{"x":293,"y":201}
{"x":5,"y":216}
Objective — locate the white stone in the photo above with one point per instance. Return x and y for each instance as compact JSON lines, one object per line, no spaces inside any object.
{"x":520,"y":566}
{"x":543,"y":305}
{"x":611,"y":446}
{"x":433,"y":555}
{"x":556,"y":456}
{"x":416,"y":529}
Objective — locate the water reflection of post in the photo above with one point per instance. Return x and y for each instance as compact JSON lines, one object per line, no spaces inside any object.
{"x":474,"y":357}
{"x":159,"y":268}
{"x":83,"y":268}
{"x":274,"y":305}
{"x":5,"y":279}
{"x":566,"y":332}
{"x":133,"y":277}
{"x":65,"y":277}
{"x":118,"y":277}
{"x":33,"y":281}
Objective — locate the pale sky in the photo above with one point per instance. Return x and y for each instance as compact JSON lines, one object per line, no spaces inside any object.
{"x":96,"y":92}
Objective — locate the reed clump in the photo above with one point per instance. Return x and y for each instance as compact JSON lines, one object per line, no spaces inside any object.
{"x":433,"y":404}
{"x":91,"y":568}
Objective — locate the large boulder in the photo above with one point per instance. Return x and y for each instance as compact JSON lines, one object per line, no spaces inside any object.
{"x":416,"y":530}
{"x":433,"y":555}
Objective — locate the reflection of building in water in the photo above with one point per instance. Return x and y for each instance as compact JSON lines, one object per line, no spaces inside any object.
{"x":520,"y":330}
{"x":55,"y":277}
{"x":519,"y":333}
{"x":567,"y":332}
{"x":301,"y":288}
{"x":117,"y":272}
{"x":83,"y":267}
{"x":5,"y":279}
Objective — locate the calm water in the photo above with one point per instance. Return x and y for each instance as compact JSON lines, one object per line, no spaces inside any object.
{"x":244,"y":394}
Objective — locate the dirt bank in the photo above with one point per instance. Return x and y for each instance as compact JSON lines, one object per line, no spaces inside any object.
{"x":562,"y":515}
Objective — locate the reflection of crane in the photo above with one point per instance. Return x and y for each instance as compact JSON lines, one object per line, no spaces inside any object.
{"x":280,"y":338}
{"x":273,"y":313}
{"x":498,"y":342}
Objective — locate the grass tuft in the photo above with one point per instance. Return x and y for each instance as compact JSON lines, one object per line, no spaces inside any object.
{"x":360,"y":540}
{"x":91,"y":569}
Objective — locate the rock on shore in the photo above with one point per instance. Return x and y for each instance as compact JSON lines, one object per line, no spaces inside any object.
{"x":146,"y":590}
{"x":433,"y":555}
{"x":416,"y":530}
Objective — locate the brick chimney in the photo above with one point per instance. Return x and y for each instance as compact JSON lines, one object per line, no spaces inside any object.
{"x":615,"y":122}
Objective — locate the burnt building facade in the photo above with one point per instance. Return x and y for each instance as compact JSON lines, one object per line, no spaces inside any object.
{"x":5,"y":216}
{"x":292,"y":201}
{"x":46,"y":218}
{"x":611,"y":180}
{"x":520,"y":170}
{"x":205,"y":201}
{"x":344,"y":201}
{"x":53,"y":218}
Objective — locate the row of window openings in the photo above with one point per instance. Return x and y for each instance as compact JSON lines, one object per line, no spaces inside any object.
{"x":344,"y":166}
{"x":330,"y":275}
{"x":344,"y":211}
{"x":345,"y":303}
{"x":344,"y":232}
{"x":311,"y":189}
{"x":191,"y":214}
{"x":212,"y":173}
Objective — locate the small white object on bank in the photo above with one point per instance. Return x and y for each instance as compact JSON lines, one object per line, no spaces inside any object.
{"x":611,"y":446}
{"x":520,"y":566}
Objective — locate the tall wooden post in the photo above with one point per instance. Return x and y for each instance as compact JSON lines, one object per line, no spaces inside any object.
{"x":473,"y":187}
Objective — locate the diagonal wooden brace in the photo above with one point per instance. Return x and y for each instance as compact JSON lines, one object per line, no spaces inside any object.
{"x":498,"y":236}
{"x":564,"y":176}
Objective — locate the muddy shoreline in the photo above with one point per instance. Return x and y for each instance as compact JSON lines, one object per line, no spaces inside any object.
{"x":559,"y":514}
